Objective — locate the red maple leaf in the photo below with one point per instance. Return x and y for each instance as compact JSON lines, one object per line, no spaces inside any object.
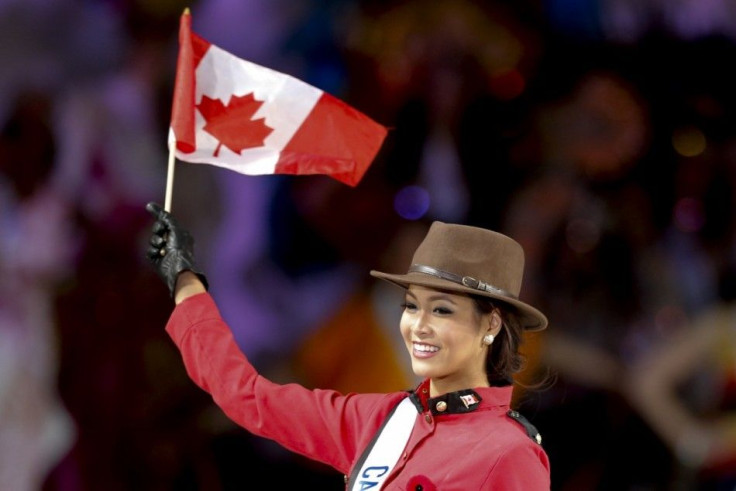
{"x":232,"y":125}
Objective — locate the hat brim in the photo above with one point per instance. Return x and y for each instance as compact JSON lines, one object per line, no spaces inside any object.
{"x":529,"y":318}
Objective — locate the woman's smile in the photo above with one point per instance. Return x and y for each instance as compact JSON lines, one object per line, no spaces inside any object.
{"x":424,"y":350}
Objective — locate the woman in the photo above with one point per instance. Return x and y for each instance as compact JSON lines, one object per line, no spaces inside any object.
{"x":462,"y":324}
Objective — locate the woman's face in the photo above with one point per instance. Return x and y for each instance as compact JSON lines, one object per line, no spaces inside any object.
{"x":444,"y":334}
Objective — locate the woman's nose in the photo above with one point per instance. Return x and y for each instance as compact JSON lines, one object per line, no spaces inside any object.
{"x":420,"y":325}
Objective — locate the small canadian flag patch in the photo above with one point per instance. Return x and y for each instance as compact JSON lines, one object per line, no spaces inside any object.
{"x":469,"y":399}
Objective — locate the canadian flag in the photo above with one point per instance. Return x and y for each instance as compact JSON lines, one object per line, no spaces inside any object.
{"x":235,"y":114}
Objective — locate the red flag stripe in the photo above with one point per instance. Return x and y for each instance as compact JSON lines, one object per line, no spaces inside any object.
{"x":192,"y":49}
{"x":332,"y":132}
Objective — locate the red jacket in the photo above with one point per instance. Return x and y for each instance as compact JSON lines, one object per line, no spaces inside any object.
{"x":454,"y":449}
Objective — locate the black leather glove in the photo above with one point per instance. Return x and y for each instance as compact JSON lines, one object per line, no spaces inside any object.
{"x":171,"y":248}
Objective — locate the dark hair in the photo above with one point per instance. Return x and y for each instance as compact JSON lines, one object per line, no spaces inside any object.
{"x":503,"y":359}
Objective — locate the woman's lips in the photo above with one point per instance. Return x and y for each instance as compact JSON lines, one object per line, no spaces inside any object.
{"x":423,"y":350}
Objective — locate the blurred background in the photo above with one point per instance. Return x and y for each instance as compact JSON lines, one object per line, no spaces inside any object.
{"x":598,"y":133}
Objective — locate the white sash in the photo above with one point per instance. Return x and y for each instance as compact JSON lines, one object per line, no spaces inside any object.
{"x":387,"y":449}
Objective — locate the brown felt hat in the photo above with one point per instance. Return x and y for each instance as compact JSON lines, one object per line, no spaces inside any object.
{"x":472,"y":260}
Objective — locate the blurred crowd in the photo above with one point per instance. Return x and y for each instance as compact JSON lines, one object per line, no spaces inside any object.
{"x":601,"y":134}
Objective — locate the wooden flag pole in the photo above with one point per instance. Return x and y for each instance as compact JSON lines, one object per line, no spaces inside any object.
{"x":170,"y":177}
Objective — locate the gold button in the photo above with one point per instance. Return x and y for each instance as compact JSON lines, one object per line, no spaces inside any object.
{"x":441,"y":406}
{"x":428,"y":418}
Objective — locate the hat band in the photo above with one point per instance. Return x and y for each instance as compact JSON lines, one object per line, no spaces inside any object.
{"x":467,"y":281}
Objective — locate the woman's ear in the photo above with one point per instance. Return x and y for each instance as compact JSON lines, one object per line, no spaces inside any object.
{"x":496,"y":322}
{"x":493,"y":323}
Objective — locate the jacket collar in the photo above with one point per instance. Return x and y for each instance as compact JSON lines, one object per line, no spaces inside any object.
{"x":461,"y":401}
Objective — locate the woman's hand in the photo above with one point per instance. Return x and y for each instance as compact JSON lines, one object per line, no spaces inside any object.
{"x":171,"y":251}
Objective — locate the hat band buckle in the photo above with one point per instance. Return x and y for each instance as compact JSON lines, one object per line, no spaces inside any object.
{"x":467,"y":281}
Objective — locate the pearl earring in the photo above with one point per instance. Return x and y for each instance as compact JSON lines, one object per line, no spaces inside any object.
{"x":488,"y":339}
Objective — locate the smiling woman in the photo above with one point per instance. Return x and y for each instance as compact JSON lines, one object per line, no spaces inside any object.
{"x":443,"y":333}
{"x":462,"y":323}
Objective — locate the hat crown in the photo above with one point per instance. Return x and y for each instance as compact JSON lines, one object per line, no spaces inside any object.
{"x":484,"y":255}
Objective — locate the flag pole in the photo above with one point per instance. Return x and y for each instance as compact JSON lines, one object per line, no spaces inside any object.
{"x":186,"y":91}
{"x":170,"y":177}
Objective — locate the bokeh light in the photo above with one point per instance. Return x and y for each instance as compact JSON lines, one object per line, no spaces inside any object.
{"x":412,"y":202}
{"x":689,"y":141}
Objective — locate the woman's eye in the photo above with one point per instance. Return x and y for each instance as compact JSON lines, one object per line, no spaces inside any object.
{"x":442,"y":310}
{"x":408,"y":306}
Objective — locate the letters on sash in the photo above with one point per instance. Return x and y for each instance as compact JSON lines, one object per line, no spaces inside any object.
{"x":387,"y":448}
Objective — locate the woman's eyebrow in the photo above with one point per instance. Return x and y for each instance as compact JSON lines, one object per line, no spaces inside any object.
{"x":442,"y":296}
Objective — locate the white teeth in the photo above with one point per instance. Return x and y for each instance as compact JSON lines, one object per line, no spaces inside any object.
{"x":425,"y":348}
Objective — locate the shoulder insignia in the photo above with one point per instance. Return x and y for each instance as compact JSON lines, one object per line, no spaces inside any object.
{"x":531,"y":430}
